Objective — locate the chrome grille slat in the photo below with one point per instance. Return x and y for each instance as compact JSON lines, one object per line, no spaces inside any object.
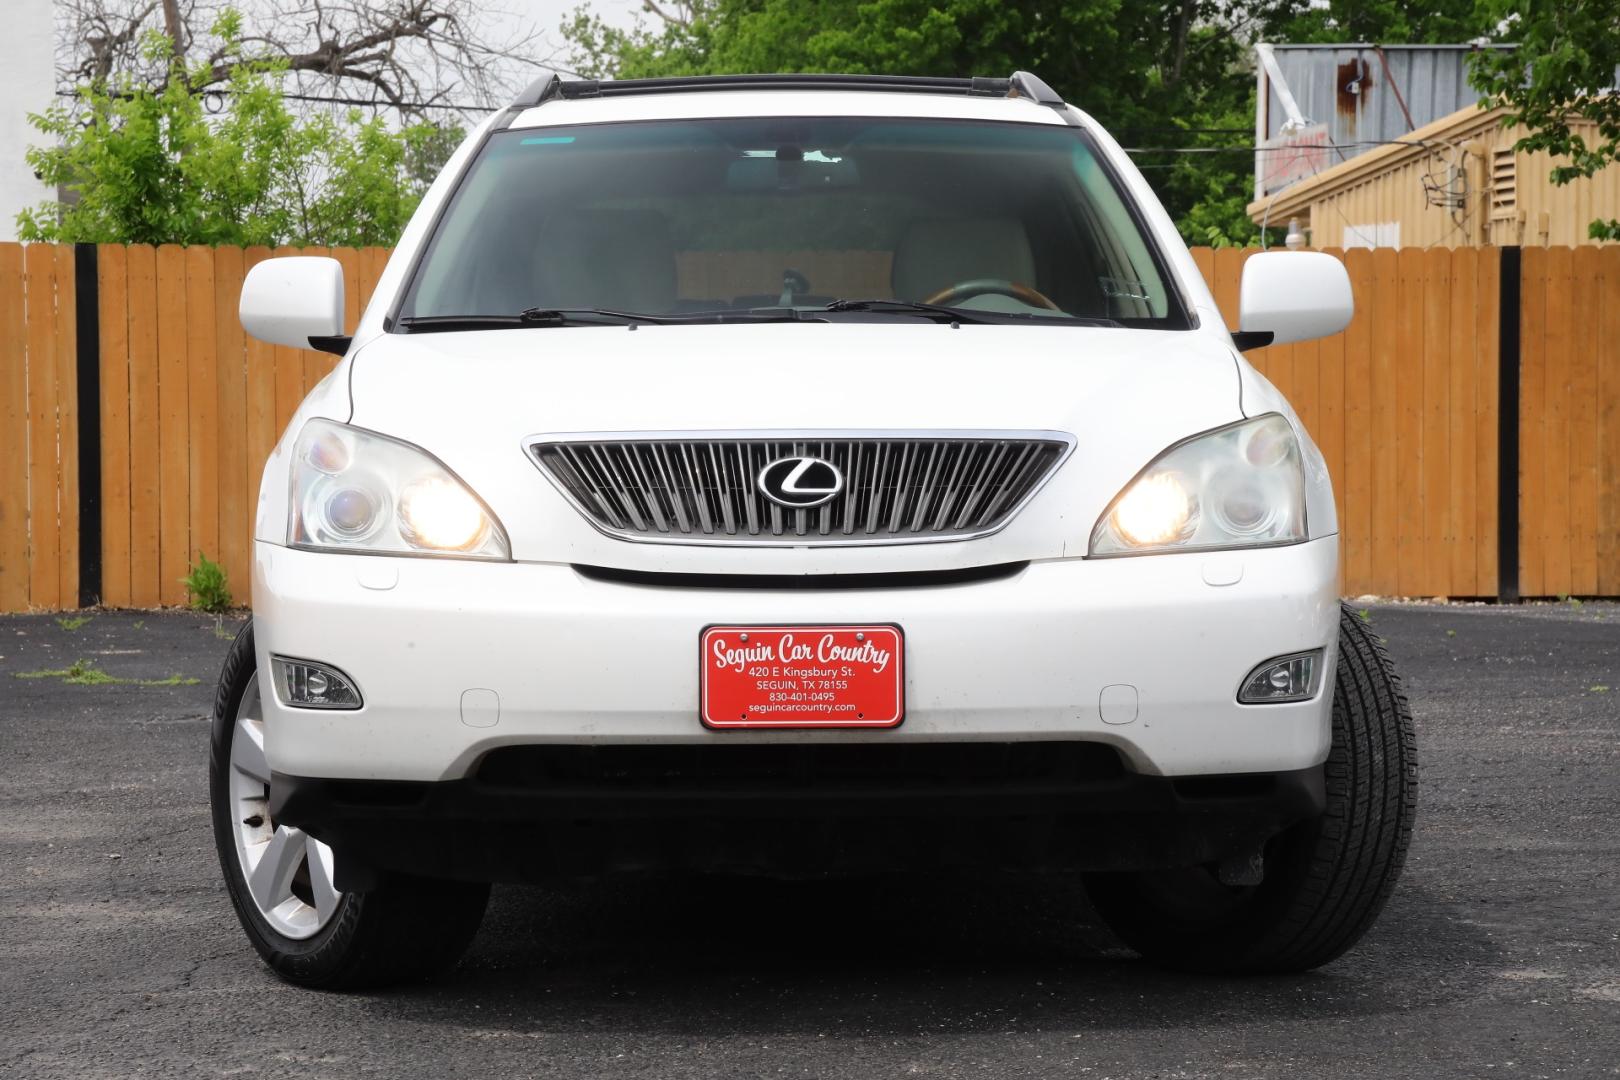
{"x":623,"y":494}
{"x":898,"y":487}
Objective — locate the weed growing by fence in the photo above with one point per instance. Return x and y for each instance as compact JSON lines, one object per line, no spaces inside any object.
{"x":206,"y":588}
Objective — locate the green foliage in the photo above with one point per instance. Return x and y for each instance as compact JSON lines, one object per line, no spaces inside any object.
{"x":79,"y":673}
{"x":82,"y":673}
{"x":176,"y":679}
{"x":149,"y":164}
{"x":1564,"y":68}
{"x":1158,"y":74}
{"x":72,"y":622}
{"x":206,"y":589}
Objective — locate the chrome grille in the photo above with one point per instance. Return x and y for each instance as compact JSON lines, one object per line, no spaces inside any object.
{"x":910,"y":488}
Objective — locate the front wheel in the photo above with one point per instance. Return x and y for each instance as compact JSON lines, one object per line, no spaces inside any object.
{"x":1325,"y":880}
{"x":281,"y":881}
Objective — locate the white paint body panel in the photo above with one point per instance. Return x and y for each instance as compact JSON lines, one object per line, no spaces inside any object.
{"x":733,"y":103}
{"x":1296,"y":295}
{"x":577,"y":659}
{"x":289,"y":300}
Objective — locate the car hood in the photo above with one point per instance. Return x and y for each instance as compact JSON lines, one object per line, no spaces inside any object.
{"x":476,"y":399}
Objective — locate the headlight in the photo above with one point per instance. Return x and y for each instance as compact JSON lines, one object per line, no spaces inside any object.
{"x":355,"y":490}
{"x":1239,"y":486}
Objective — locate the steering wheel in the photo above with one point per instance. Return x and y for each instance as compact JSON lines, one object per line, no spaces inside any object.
{"x":966,"y":290}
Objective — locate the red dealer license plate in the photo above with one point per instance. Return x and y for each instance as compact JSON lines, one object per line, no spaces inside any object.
{"x":802,"y":677}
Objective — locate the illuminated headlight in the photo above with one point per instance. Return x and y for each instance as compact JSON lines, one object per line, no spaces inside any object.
{"x":355,"y":490}
{"x":440,"y":514}
{"x":1239,"y":486}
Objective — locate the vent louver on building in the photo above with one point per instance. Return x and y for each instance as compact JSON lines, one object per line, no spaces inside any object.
{"x":1504,"y":184}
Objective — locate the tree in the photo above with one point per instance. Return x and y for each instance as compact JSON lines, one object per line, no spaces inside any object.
{"x":408,"y":54}
{"x":1150,"y":70}
{"x":145,"y":164}
{"x":1564,"y":68}
{"x":180,"y":128}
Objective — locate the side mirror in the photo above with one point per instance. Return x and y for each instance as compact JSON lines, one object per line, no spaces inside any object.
{"x":295,"y":300}
{"x":1292,"y":296}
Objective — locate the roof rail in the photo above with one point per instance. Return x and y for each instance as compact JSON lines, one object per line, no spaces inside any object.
{"x":541,"y":90}
{"x":1033,"y":87}
{"x":1021,"y":84}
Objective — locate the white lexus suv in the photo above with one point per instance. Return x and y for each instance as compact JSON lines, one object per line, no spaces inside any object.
{"x":800,"y":475}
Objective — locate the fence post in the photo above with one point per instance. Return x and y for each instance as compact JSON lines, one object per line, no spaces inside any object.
{"x":1510,"y":277}
{"x":87,"y":299}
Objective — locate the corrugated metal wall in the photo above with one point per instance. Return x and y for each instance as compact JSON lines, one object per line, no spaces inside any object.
{"x":1348,"y":88}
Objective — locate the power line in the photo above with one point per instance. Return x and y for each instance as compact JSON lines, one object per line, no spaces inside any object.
{"x":1276,"y":149}
{"x":387,"y":104}
{"x":219,"y":92}
{"x":1186,"y":131}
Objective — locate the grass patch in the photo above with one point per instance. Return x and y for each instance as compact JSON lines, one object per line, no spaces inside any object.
{"x":81,"y":673}
{"x":1600,"y":689}
{"x":1365,"y":615}
{"x":72,"y":622}
{"x":172,"y":680}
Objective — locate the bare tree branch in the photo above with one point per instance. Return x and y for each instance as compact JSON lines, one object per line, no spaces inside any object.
{"x":175,"y":27}
{"x":407,"y":54}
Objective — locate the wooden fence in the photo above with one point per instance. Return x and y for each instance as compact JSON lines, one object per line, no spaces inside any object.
{"x":1404,"y":405}
{"x":190,"y":409}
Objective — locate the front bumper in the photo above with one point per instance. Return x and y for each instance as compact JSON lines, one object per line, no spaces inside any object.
{"x":791,"y":810}
{"x":573,"y":659}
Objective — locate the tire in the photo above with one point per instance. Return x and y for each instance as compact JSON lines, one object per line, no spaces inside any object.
{"x":1326,"y":879}
{"x":406,"y":929}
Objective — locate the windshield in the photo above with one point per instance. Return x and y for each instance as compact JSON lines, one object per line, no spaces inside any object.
{"x":1013,"y":222}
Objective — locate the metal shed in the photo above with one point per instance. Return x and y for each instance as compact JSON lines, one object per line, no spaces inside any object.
{"x":1387,"y":146}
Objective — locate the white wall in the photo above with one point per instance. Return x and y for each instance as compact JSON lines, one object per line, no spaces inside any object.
{"x":27,"y":84}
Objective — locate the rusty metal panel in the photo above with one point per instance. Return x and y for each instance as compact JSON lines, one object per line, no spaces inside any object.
{"x":1366,"y":95}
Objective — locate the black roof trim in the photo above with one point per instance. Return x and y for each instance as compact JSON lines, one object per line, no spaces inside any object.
{"x":1021,"y":84}
{"x":1025,"y":84}
{"x":541,"y":90}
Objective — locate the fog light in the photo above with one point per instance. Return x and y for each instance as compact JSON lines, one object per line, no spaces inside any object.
{"x":308,"y":685}
{"x":1284,"y":678}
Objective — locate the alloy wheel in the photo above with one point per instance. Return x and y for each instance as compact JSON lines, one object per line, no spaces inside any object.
{"x":288,"y":872}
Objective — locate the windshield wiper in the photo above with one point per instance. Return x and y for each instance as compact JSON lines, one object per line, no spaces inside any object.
{"x":540,"y":316}
{"x":422,"y":323}
{"x":941,"y":313}
{"x":544,"y":316}
{"x":530,"y":317}
{"x":728,"y":315}
{"x":935,"y":312}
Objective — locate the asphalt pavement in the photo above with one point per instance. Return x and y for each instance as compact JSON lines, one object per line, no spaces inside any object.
{"x":1499,"y":955}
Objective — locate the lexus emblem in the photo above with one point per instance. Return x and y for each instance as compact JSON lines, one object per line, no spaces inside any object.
{"x":799,"y":483}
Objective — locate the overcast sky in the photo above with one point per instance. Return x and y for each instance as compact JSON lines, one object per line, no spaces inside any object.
{"x":547,"y":15}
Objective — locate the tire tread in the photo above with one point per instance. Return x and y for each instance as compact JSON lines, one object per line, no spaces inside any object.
{"x":405,"y":930}
{"x":1334,"y":881}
